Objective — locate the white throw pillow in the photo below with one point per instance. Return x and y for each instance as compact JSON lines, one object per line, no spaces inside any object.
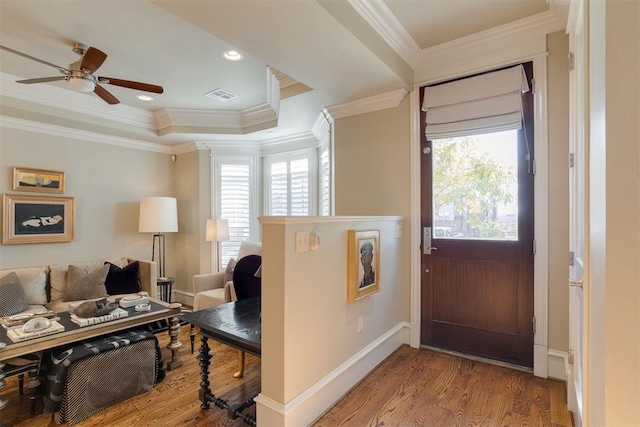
{"x":34,"y":283}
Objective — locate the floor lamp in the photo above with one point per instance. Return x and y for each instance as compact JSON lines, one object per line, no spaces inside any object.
{"x":158,"y":215}
{"x":217,"y":231}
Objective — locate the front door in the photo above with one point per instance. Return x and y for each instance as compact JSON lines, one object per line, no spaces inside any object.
{"x":478,"y":247}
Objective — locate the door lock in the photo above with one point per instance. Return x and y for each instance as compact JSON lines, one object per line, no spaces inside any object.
{"x":426,"y":241}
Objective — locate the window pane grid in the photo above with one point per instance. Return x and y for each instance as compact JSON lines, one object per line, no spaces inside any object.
{"x":234,"y":207}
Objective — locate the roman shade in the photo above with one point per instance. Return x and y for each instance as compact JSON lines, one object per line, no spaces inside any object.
{"x":484,"y":103}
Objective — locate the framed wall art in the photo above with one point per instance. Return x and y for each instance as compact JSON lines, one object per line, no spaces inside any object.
{"x":37,"y":219}
{"x":364,"y":263}
{"x":42,"y":181}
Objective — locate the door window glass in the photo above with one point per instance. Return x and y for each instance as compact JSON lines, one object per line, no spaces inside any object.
{"x":475,"y":187}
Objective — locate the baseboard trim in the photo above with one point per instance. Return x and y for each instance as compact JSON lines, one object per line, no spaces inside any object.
{"x":317,"y":399}
{"x":558,"y":362}
{"x":183,"y":297}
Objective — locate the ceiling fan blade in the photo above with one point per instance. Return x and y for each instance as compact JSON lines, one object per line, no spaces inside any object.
{"x":106,"y":95}
{"x":132,"y":85}
{"x":24,"y":55}
{"x":92,"y":59}
{"x":41,"y":80}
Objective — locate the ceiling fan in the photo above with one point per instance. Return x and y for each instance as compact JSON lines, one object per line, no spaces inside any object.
{"x":80,"y":74}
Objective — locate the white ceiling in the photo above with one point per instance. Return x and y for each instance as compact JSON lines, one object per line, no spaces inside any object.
{"x":331,"y":46}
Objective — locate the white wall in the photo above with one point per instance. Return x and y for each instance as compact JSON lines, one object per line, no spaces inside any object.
{"x":312,"y":352}
{"x":613,"y":345}
{"x":107,"y":183}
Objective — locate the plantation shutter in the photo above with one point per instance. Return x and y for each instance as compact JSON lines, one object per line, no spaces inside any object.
{"x":288,"y":190}
{"x":324,"y":182}
{"x":235,"y":207}
{"x":484,"y":103}
{"x":299,"y":187}
{"x":279,"y":188}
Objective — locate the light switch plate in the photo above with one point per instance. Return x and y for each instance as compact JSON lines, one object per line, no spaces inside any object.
{"x":302,"y":241}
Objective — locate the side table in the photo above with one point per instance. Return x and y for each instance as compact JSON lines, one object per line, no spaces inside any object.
{"x":165,"y":285}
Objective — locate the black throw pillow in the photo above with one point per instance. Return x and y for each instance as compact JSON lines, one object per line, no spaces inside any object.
{"x":123,"y":280}
{"x":245,"y":282}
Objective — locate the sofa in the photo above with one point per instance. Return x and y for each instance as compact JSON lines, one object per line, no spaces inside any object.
{"x":61,"y":287}
{"x":47,"y":286}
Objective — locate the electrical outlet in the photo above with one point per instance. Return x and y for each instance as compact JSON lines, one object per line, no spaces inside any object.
{"x":360,"y":324}
{"x":302,"y":241}
{"x":398,"y":230}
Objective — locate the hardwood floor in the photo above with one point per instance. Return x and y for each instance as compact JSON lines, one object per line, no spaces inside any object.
{"x":425,"y":388}
{"x":411,"y":388}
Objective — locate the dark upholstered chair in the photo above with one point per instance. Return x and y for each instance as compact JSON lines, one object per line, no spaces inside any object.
{"x":246,"y":285}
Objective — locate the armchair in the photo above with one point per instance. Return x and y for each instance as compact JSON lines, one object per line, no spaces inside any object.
{"x":213,"y":289}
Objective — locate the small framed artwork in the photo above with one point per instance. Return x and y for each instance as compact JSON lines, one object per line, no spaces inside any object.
{"x":42,"y":181}
{"x":364,"y":263}
{"x":37,"y":219}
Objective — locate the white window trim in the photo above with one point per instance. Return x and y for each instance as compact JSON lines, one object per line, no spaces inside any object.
{"x":254,"y":190}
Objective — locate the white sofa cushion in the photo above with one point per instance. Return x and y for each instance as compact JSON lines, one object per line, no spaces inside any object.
{"x":208,"y":299}
{"x":34,"y":283}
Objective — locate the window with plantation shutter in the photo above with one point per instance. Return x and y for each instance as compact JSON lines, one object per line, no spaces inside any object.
{"x":299,"y":177}
{"x":324,"y":187}
{"x":235,"y":202}
{"x":289,"y":184}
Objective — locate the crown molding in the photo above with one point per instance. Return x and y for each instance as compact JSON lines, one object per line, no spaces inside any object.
{"x":302,"y":141}
{"x":322,"y":125}
{"x":163,"y":122}
{"x":384,"y":22}
{"x":83,"y":135}
{"x":489,"y":40}
{"x":367,"y":105}
{"x":180,"y":120}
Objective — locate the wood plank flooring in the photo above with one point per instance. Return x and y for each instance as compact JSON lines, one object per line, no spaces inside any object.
{"x":411,"y":388}
{"x":425,"y":388}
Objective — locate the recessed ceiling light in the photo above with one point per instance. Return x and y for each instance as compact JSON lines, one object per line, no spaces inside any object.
{"x":145,"y":98}
{"x":232,"y":55}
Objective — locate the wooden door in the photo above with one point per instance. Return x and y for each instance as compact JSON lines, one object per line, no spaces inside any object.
{"x":477,"y":206}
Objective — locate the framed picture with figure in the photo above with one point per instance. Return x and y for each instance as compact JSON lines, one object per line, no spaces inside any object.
{"x":37,"y":219}
{"x":364,"y":263}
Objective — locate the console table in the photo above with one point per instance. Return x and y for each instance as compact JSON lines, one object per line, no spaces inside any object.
{"x":236,"y":324}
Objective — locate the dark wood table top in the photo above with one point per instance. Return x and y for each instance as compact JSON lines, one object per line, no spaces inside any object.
{"x":74,"y":333}
{"x":236,"y":324}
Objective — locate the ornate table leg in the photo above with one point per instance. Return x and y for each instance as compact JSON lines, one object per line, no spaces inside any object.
{"x":192,"y":336}
{"x":34,"y":384}
{"x":205,"y":358}
{"x":3,"y":402}
{"x":174,"y":344}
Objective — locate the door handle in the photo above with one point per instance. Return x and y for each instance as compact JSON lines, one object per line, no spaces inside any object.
{"x":576,"y":283}
{"x":426,"y":241}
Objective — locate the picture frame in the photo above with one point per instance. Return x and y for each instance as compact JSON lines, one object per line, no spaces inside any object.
{"x":38,"y":180}
{"x":363,"y":254}
{"x":37,"y":219}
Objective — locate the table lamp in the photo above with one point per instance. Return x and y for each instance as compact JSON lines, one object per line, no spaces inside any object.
{"x":158,"y":215}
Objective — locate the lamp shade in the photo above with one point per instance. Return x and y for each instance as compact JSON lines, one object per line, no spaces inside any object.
{"x":217,"y":230}
{"x":158,"y":215}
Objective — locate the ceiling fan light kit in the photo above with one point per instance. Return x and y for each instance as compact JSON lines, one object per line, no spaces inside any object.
{"x":81,"y":84}
{"x":80,"y":74}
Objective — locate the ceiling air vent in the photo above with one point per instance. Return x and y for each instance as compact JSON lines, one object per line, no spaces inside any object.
{"x":221,"y":95}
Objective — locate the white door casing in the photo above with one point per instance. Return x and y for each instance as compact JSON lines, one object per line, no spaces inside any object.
{"x":578,"y":212}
